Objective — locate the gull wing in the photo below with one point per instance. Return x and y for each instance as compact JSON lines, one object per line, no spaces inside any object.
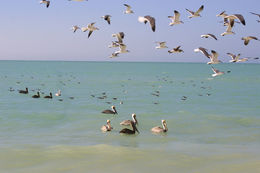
{"x":200,"y":9}
{"x":128,"y":6}
{"x":232,"y":56}
{"x":151,"y":21}
{"x":89,"y":33}
{"x":176,"y":16}
{"x":203,"y":51}
{"x":213,"y":36}
{"x":191,"y":12}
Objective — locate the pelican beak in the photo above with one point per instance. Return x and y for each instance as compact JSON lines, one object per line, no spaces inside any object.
{"x":137,"y":130}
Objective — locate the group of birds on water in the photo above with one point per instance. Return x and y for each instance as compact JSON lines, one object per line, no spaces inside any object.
{"x":133,"y":123}
{"x":229,"y":21}
{"x":26,"y":91}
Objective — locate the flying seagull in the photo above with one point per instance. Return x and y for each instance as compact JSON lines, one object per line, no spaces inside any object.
{"x":236,"y":58}
{"x":216,"y":72}
{"x":213,"y":58}
{"x":113,"y":55}
{"x":256,"y":15}
{"x":89,"y":28}
{"x":128,"y":9}
{"x":176,"y":50}
{"x":75,"y":28}
{"x":161,"y":45}
{"x":149,"y":19}
{"x":195,"y":14}
{"x":120,"y":36}
{"x":236,"y":16}
{"x":209,"y":35}
{"x":223,"y":15}
{"x":175,"y":19}
{"x":45,"y":2}
{"x":247,"y":39}
{"x":122,"y":49}
{"x":229,"y":28}
{"x":114,"y":44}
{"x":107,"y":18}
{"x":203,"y":51}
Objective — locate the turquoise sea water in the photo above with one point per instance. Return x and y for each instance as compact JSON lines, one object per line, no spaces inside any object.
{"x":216,"y":129}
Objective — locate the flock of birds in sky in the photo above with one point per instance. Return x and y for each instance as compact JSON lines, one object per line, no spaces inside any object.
{"x":229,"y":21}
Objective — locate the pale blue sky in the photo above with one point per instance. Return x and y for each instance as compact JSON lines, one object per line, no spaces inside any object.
{"x":29,"y":31}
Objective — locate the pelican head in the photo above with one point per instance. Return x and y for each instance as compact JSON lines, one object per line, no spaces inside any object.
{"x":134,"y":118}
{"x":114,"y":109}
{"x":164,"y":125}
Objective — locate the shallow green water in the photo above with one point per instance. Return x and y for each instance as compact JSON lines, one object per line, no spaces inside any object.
{"x":216,"y":129}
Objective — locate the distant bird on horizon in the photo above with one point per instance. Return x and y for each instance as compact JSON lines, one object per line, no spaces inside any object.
{"x":195,"y":14}
{"x":45,"y":2}
{"x":161,"y":45}
{"x":247,"y":39}
{"x":75,"y":28}
{"x":120,"y":36}
{"x":149,"y":19}
{"x":175,"y":19}
{"x":89,"y":28}
{"x":128,"y":9}
{"x":209,"y":35}
{"x":176,"y":50}
{"x":107,"y":18}
{"x":216,"y":72}
{"x":256,"y":15}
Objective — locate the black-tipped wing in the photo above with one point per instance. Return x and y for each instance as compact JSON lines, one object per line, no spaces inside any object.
{"x":151,"y":21}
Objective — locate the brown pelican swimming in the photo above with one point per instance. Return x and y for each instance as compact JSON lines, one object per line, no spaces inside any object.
{"x":128,"y":122}
{"x":175,"y":19}
{"x":24,"y":91}
{"x":128,"y":9}
{"x":45,"y":2}
{"x":48,"y":97}
{"x":247,"y":39}
{"x":149,"y":19}
{"x":128,"y":131}
{"x":216,"y":72}
{"x":107,"y":18}
{"x":37,"y":95}
{"x":159,"y":129}
{"x":176,"y":50}
{"x":195,"y":14}
{"x":89,"y":28}
{"x":108,"y":127}
{"x":208,"y":35}
{"x":108,"y":111}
